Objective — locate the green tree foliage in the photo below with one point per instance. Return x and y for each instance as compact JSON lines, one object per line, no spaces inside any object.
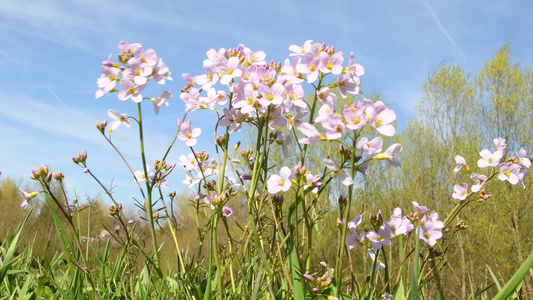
{"x":458,"y":115}
{"x":10,"y":200}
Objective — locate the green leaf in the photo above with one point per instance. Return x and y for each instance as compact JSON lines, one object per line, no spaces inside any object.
{"x":515,"y":282}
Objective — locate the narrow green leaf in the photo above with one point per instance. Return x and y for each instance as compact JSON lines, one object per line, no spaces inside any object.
{"x":515,"y":281}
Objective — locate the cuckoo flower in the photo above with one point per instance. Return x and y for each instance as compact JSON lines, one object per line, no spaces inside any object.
{"x":227,"y":211}
{"x":370,"y":147}
{"x":489,"y":159}
{"x":479,"y":182}
{"x":420,"y":209}
{"x":344,"y":178}
{"x":430,"y":231}
{"x":389,"y":155}
{"x":383,"y":122}
{"x":131,"y":90}
{"x":312,"y":134}
{"x":509,"y":172}
{"x":521,"y":157}
{"x":282,"y":182}
{"x":461,"y":162}
{"x":188,"y":134}
{"x":118,"y":119}
{"x":460,"y":192}
{"x":500,"y":144}
{"x":380,"y":238}
{"x":161,"y":101}
{"x":27,"y":198}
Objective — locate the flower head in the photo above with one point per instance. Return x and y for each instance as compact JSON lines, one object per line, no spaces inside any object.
{"x":461,"y":162}
{"x":282,"y":182}
{"x":389,"y":155}
{"x":227,"y":211}
{"x":118,"y":119}
{"x":489,"y":159}
{"x":188,"y":134}
{"x":460,"y":192}
{"x":27,"y":198}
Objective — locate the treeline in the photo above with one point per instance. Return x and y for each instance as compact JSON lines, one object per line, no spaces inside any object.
{"x":461,"y":114}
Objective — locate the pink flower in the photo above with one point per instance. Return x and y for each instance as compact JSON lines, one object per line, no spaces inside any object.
{"x":137,"y":73}
{"x":227,"y":211}
{"x":190,"y":181}
{"x":335,"y":127}
{"x":254,"y":58}
{"x":509,"y":172}
{"x":301,"y":50}
{"x":161,"y":101}
{"x":379,"y":238}
{"x":521,"y":156}
{"x":233,"y":119}
{"x":370,"y":147}
{"x":130,"y":90}
{"x":331,"y":63}
{"x":383,"y":122}
{"x":139,"y":175}
{"x":344,"y":178}
{"x":489,"y":159}
{"x":192,"y":99}
{"x":188,"y":134}
{"x":500,"y":144}
{"x":271,"y":95}
{"x":461,"y":162}
{"x":354,"y":239}
{"x":312,"y":134}
{"x":311,"y":67}
{"x":389,"y":155}
{"x":355,"y":116}
{"x":460,"y":192}
{"x":118,"y":119}
{"x":326,"y":97}
{"x":229,"y":70}
{"x":420,"y":209}
{"x":400,"y":225}
{"x":430,"y":232}
{"x":27,"y":198}
{"x":161,"y":72}
{"x":479,"y":182}
{"x":295,"y":95}
{"x":282,"y":182}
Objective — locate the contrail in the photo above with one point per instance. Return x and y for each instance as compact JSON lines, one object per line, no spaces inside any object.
{"x":55,"y":95}
{"x":439,"y":24}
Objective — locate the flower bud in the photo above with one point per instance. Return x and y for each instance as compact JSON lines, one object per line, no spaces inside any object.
{"x":245,"y":176}
{"x":58,"y":176}
{"x":101,"y":126}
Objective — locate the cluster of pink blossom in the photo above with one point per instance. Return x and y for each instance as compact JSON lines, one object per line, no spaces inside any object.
{"x":137,"y":66}
{"x":379,"y":232}
{"x":273,"y":94}
{"x":157,"y":177}
{"x":200,"y":167}
{"x":514,"y":170}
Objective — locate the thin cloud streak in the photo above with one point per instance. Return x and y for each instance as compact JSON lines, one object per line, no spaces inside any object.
{"x":441,"y":27}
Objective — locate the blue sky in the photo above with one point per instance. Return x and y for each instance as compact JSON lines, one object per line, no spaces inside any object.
{"x":51,"y":52}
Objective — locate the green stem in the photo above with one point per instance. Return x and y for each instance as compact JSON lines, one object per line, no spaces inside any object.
{"x":148,"y":199}
{"x":345,"y":222}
